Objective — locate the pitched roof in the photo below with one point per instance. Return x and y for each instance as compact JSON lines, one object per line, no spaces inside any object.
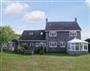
{"x":33,"y":35}
{"x":62,"y":26}
{"x":75,"y":40}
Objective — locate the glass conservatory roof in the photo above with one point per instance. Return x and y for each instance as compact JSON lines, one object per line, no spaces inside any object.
{"x":75,"y":40}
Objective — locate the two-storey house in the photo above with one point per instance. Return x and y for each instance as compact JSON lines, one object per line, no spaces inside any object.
{"x":58,"y":33}
{"x":55,"y":37}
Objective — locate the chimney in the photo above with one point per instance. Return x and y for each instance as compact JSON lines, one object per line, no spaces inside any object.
{"x":46,"y":20}
{"x":75,"y":19}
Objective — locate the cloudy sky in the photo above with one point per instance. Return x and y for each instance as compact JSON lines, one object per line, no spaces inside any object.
{"x":30,"y":14}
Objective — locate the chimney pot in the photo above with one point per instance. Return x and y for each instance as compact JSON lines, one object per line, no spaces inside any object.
{"x":46,"y":19}
{"x":75,"y":19}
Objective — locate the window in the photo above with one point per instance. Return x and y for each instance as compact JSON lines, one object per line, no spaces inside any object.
{"x":80,"y":46}
{"x":52,"y":33}
{"x":62,"y":44}
{"x":30,"y":33}
{"x":52,"y":44}
{"x":31,"y":44}
{"x":73,"y":46}
{"x":37,"y":44}
{"x":85,"y":47}
{"x":73,"y":33}
{"x":24,"y":43}
{"x":77,"y":46}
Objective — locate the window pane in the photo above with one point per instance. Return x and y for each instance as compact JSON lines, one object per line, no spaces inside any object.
{"x":77,"y":47}
{"x":85,"y":47}
{"x":73,"y":33}
{"x":52,"y":33}
{"x":52,"y":44}
{"x":62,"y":44}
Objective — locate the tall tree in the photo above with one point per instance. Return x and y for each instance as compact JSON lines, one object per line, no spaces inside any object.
{"x":6,"y":34}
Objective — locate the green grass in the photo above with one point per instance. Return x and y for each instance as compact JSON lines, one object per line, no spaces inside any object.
{"x":48,"y":62}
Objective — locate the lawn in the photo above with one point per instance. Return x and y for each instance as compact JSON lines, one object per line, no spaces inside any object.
{"x":48,"y":62}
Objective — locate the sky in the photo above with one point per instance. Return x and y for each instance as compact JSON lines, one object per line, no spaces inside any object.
{"x":23,"y":15}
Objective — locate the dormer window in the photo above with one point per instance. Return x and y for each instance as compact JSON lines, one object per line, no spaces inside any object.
{"x":30,"y":33}
{"x":72,"y":33}
{"x":52,"y":33}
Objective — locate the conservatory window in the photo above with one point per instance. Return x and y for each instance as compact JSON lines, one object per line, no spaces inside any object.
{"x":85,"y":47}
{"x":72,"y":46}
{"x":52,"y":44}
{"x":77,"y":46}
{"x":80,"y":46}
{"x":52,"y":33}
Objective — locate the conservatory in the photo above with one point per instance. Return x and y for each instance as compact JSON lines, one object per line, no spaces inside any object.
{"x":77,"y":46}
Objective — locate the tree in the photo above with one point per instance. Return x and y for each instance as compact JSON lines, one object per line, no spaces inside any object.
{"x":6,"y":34}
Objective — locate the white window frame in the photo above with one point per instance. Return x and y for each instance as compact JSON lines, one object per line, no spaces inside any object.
{"x":85,"y":44}
{"x":81,"y":46}
{"x":72,"y":45}
{"x":73,"y":33}
{"x":78,"y":46}
{"x":52,"y":34}
{"x":52,"y":44}
{"x":62,"y":44}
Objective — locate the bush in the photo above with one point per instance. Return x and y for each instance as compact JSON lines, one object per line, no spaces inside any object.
{"x":41,"y":50}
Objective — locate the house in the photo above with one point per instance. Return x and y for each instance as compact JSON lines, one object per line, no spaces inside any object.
{"x":33,"y":39}
{"x":55,"y":36}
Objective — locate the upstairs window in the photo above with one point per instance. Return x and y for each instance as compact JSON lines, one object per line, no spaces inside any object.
{"x":73,"y":33}
{"x":52,"y":33}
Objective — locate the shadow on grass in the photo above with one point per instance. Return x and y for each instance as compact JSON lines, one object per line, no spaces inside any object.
{"x":57,"y":54}
{"x":46,"y":54}
{"x":63,"y":54}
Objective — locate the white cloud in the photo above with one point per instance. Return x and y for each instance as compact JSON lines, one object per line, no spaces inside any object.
{"x":85,"y":35}
{"x":87,"y":3}
{"x":35,"y":15}
{"x":15,"y":8}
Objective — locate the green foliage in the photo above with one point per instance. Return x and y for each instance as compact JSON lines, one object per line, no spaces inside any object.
{"x":41,"y":50}
{"x":25,"y":46}
{"x":6,"y":34}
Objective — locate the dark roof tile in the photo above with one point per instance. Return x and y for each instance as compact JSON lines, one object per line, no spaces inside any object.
{"x":62,"y":26}
{"x":33,"y":35}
